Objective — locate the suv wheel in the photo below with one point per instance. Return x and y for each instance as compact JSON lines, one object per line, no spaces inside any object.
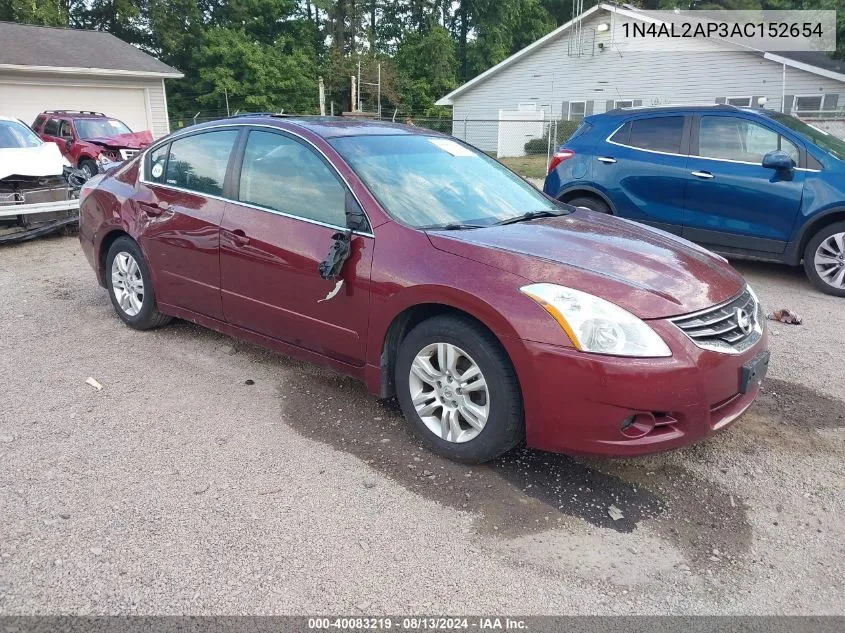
{"x":458,"y":389}
{"x":592,"y":203}
{"x":89,"y":167}
{"x":131,"y":287}
{"x":824,"y":259}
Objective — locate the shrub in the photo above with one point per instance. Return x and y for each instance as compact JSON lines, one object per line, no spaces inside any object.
{"x":565,"y":129}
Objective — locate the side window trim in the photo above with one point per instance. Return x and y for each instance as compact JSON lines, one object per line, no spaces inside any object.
{"x":243,"y":129}
{"x":686,"y":133}
{"x":696,"y":153}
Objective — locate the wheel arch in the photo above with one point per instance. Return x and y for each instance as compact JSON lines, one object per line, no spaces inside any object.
{"x":816,"y":223}
{"x":405,"y":321}
{"x":103,"y":251}
{"x":580,"y":190}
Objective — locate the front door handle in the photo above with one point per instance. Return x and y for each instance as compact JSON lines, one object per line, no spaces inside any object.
{"x":239,"y":237}
{"x":702,"y":174}
{"x":606,"y":159}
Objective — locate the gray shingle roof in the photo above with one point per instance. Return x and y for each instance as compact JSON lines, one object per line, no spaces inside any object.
{"x":27,"y":45}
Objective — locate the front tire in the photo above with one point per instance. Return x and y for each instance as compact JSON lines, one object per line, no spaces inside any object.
{"x":130,"y":286}
{"x":89,"y":167}
{"x":824,"y":259}
{"x":458,"y":389}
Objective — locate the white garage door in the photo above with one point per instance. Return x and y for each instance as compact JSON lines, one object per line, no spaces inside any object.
{"x":24,"y":101}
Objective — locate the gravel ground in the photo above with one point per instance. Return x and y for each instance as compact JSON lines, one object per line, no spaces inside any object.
{"x":180,"y":489}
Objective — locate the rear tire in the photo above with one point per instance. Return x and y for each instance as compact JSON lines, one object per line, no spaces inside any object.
{"x":824,"y":259}
{"x":592,"y":203}
{"x":453,"y":403}
{"x":130,"y":286}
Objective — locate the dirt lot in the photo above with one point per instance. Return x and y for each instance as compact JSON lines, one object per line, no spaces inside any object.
{"x":178,"y":488}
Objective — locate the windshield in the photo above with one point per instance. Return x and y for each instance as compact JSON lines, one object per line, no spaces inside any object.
{"x":93,"y":128}
{"x":827,"y":142}
{"x":14,"y":134}
{"x":432,"y":181}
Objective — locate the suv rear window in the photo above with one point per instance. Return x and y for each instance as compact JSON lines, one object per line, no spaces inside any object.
{"x":39,"y":121}
{"x":658,"y":134}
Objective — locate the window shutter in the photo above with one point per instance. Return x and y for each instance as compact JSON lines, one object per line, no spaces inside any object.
{"x":608,"y":105}
{"x":638,"y":103}
{"x":721,"y":100}
{"x":588,"y":109}
{"x":564,"y":110}
{"x":787,"y":103}
{"x":830,"y":102}
{"x":755,"y":101}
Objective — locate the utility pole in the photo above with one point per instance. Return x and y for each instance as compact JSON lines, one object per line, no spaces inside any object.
{"x":226,"y":94}
{"x":321,"y":89}
{"x":357,"y":104}
{"x":354,"y":95}
{"x":379,"y":91}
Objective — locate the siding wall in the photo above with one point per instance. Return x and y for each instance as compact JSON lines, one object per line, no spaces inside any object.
{"x":687,"y":72}
{"x":65,"y":91}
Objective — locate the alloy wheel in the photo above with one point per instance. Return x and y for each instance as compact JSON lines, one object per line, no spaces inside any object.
{"x":829,"y":260}
{"x":449,"y":392}
{"x":127,"y":283}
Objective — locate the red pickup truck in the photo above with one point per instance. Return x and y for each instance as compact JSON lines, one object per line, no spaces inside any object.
{"x":88,"y":138}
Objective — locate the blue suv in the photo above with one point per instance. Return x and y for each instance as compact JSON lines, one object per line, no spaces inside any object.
{"x":743,"y":182}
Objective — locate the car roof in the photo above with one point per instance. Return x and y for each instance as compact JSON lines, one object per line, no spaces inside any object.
{"x":327,"y":126}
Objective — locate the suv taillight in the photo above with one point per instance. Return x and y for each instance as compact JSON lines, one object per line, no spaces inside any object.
{"x":558,"y":157}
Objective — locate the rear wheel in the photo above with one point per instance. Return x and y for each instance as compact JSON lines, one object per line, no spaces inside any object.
{"x":591,"y":202}
{"x":824,"y":259}
{"x":130,"y":286}
{"x":458,"y":389}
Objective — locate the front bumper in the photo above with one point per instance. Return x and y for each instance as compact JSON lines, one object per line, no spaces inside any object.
{"x":578,"y":403}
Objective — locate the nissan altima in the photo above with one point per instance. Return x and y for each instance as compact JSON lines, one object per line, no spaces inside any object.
{"x":423,"y":267}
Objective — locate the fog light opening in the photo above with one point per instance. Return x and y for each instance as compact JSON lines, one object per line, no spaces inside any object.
{"x":637,"y":425}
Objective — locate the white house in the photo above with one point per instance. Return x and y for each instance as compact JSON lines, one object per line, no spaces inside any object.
{"x":45,"y":68}
{"x":584,"y":67}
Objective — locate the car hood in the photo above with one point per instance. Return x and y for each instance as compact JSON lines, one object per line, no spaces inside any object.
{"x":649,"y":272}
{"x":135,"y":140}
{"x":41,"y":160}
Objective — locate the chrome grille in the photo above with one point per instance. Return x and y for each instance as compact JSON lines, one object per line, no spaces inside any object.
{"x":731,"y":327}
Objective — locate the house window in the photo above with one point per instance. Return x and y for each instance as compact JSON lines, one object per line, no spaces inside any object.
{"x":809,"y":103}
{"x":627,"y":103}
{"x":740,"y":102}
{"x":577,"y":110}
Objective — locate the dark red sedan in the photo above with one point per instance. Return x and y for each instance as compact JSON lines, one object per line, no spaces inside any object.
{"x":421,"y":266}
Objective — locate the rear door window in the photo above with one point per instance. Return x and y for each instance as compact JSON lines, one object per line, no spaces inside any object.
{"x":199,"y":162}
{"x":65,"y":129}
{"x":658,"y":134}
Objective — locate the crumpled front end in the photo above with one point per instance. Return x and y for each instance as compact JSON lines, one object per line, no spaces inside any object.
{"x":32,"y":206}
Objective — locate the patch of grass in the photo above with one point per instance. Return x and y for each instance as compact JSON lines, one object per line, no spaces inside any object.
{"x":531,"y":166}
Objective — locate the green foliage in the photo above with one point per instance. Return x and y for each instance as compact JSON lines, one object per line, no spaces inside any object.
{"x":43,"y":12}
{"x":564,"y":129}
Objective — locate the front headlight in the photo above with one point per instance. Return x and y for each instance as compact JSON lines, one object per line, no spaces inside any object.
{"x":595,"y":325}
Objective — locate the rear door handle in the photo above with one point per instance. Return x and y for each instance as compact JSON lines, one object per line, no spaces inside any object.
{"x":239,"y":237}
{"x":606,"y":159}
{"x":154,"y":208}
{"x":702,"y":174}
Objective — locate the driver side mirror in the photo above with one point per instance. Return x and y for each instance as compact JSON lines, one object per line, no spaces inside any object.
{"x":356,"y":219}
{"x":778,"y":159}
